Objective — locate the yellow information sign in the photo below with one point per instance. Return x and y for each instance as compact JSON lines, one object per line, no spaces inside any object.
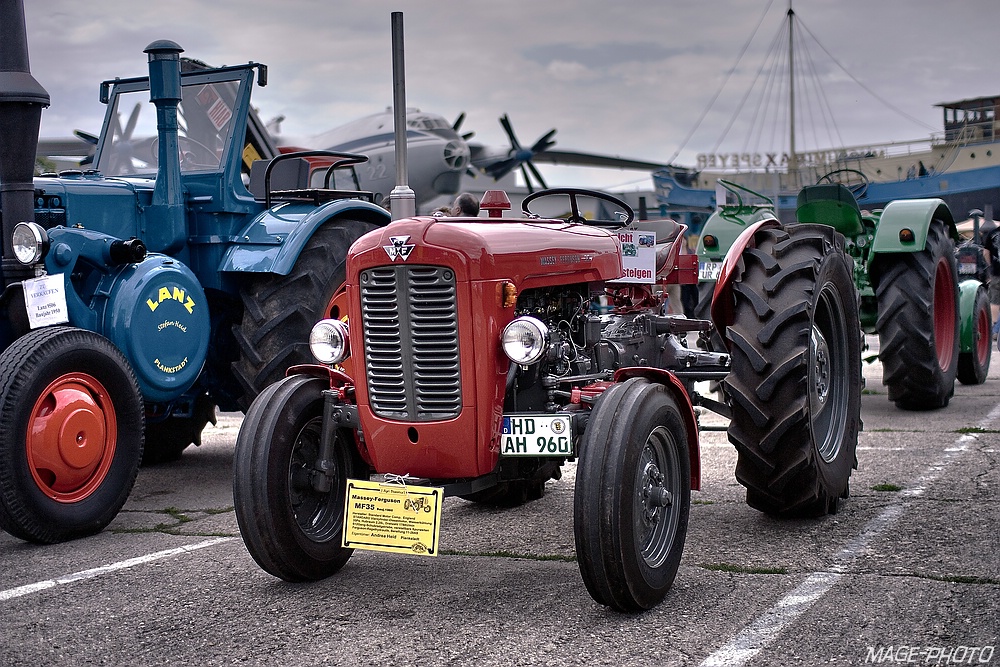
{"x":392,"y":517}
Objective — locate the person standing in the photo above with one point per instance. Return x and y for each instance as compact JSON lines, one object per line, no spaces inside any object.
{"x":989,"y":234}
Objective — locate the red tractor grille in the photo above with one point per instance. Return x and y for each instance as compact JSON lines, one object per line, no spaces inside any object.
{"x":410,"y":323}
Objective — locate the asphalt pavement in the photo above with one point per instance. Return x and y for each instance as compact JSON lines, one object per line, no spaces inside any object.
{"x":908,"y":572}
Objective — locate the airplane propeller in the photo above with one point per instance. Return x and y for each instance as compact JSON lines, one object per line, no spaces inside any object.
{"x":122,"y":140}
{"x":520,"y":157}
{"x":458,"y":124}
{"x":89,"y":138}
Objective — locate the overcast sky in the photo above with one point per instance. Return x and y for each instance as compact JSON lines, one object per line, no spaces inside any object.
{"x":629,"y":77}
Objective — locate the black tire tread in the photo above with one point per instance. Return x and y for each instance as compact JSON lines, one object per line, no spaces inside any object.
{"x":20,"y":514}
{"x":971,"y":369}
{"x":905,"y":324}
{"x":269,"y":530}
{"x":603,"y":552}
{"x":279,"y":311}
{"x":770,"y":427}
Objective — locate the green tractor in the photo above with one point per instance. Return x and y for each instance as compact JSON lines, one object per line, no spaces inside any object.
{"x":933,"y":321}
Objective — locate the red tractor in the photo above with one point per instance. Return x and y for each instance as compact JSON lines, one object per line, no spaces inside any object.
{"x":465,"y":333}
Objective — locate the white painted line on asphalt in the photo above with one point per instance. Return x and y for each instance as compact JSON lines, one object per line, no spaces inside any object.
{"x":27,"y":589}
{"x":754,"y":638}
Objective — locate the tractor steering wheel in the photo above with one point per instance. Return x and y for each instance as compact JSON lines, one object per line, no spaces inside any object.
{"x":193,"y":153}
{"x":857,"y":189}
{"x":626,"y":214}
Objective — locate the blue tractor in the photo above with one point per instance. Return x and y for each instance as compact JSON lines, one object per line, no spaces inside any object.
{"x":178,"y":273}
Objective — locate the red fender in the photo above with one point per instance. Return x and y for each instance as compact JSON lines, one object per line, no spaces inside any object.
{"x":722,"y":300}
{"x":670,"y":381}
{"x":338,"y":379}
{"x":344,"y":385}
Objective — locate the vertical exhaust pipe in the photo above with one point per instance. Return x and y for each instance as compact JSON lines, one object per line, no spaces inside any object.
{"x":21,"y":102}
{"x":402,"y":200}
{"x":166,"y":230}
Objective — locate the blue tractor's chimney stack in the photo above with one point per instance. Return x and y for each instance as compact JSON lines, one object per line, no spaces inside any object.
{"x":166,"y":231}
{"x":21,"y":102}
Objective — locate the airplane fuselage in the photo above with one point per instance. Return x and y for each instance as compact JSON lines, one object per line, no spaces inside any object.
{"x":436,"y":155}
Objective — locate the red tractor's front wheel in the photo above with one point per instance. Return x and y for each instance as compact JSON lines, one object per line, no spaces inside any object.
{"x":291,"y":527}
{"x":71,"y":424}
{"x":633,"y":496}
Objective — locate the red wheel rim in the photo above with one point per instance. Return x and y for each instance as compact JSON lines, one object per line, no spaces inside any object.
{"x":72,"y":432}
{"x":944,"y":314}
{"x":983,"y":334}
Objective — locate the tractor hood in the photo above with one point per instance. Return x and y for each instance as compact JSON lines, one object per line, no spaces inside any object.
{"x":97,"y":203}
{"x":532,"y":253}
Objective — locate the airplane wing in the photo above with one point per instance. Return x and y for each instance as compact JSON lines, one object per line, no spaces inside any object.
{"x":68,"y":147}
{"x":581,"y":159}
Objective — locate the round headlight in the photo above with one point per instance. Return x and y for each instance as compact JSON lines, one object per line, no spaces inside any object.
{"x":30,"y":242}
{"x":525,"y":340}
{"x":329,"y":341}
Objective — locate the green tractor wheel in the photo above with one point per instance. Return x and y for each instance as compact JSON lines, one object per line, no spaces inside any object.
{"x":974,"y":365}
{"x":917,"y":322}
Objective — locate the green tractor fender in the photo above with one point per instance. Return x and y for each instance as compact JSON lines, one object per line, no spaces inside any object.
{"x":728,"y":221}
{"x":903,"y":225}
{"x":722,"y":229}
{"x":967,"y":291}
{"x":274,"y":239}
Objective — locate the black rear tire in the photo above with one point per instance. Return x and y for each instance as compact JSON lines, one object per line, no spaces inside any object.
{"x":633,"y":496}
{"x":795,"y":384}
{"x":974,"y":366}
{"x":508,"y":494}
{"x":167,"y":439}
{"x":703,"y":311}
{"x":280,"y":311}
{"x":290,"y":529}
{"x":71,"y":434}
{"x":918,"y":322}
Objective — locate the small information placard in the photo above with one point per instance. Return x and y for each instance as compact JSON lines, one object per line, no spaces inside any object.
{"x":45,"y":300}
{"x":392,"y":517}
{"x":638,"y":257}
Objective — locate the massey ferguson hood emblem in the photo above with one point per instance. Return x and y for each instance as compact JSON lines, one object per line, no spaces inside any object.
{"x":399,"y":248}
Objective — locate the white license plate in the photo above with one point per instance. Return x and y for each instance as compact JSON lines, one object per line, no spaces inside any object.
{"x":709,"y":270}
{"x":967,"y":268}
{"x":536,"y":435}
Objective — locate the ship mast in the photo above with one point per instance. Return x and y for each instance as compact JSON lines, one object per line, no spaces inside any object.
{"x":793,"y":160}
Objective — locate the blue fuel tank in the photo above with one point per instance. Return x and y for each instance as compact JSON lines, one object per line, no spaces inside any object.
{"x":156,"y":313}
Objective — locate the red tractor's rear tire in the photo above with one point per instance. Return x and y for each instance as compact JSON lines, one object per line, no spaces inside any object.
{"x":71,"y":434}
{"x":291,"y":530}
{"x":918,"y":322}
{"x":633,"y":496}
{"x":974,"y":365}
{"x":279,"y":311}
{"x":795,"y":383}
{"x":703,"y":311}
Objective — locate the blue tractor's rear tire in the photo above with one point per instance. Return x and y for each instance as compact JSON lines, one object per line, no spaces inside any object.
{"x":279,"y":311}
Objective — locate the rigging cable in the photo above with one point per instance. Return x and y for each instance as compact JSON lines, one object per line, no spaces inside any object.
{"x":704,"y":113}
{"x":869,"y":90}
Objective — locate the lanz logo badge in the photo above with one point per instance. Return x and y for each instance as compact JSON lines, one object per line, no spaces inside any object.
{"x":399,"y":248}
